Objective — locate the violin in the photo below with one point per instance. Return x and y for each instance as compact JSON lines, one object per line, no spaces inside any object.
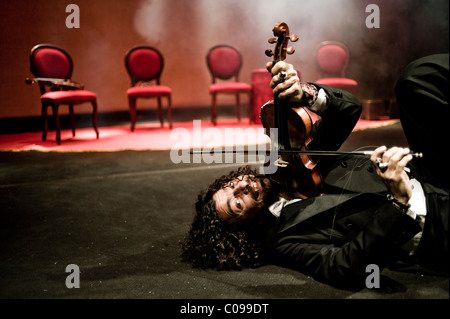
{"x":295,"y":170}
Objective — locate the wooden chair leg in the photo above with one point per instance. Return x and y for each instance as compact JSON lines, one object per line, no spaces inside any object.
{"x":214,"y":109}
{"x":132,"y":107}
{"x":160,"y":112}
{"x":169,"y":111}
{"x":238,"y":107}
{"x":45,"y":118}
{"x":72,"y":119}
{"x":55,"y":110}
{"x":94,"y":117}
{"x":250,"y":110}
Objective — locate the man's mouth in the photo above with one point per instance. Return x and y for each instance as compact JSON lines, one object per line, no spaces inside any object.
{"x":257,"y":189}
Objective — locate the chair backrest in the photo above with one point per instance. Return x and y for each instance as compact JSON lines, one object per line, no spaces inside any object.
{"x":144,"y":64}
{"x":332,"y":58}
{"x":50,"y":61}
{"x":224,"y":62}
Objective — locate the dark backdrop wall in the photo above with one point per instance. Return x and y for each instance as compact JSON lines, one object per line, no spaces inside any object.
{"x":184,"y":30}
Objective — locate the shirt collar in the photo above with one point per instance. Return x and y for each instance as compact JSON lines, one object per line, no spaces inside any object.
{"x":276,"y":207}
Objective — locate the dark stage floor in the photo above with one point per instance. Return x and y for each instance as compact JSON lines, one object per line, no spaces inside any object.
{"x":120,"y":216}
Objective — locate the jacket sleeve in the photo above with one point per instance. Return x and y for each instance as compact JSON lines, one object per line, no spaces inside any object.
{"x":377,"y":243}
{"x":337,"y":120}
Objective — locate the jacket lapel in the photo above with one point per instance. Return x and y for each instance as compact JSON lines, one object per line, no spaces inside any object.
{"x":297,"y":213}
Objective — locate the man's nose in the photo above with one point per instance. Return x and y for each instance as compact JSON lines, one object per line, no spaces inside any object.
{"x":242,"y":186}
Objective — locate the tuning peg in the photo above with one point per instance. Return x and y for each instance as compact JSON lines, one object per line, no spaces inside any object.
{"x":294,"y":38}
{"x":290,"y":50}
{"x":269,"y":52}
{"x":272,"y":40}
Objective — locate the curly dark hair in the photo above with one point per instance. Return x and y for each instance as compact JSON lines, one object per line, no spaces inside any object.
{"x":211,"y":243}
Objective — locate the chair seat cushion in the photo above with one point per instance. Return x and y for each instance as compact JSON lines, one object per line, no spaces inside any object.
{"x":230,"y":87}
{"x":72,"y":96}
{"x":149,"y":90}
{"x":336,"y":82}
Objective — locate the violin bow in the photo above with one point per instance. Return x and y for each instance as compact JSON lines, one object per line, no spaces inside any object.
{"x":306,"y":152}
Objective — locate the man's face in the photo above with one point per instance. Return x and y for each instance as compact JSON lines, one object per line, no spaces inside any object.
{"x":241,"y":198}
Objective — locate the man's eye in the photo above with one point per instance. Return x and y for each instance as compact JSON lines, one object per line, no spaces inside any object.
{"x":238,"y":203}
{"x":232,"y":185}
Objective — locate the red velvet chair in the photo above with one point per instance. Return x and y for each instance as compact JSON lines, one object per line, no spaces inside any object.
{"x":332,"y":58}
{"x":144,"y":65}
{"x":224,"y":63}
{"x":52,"y":67}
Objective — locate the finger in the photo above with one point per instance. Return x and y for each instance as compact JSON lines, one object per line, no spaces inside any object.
{"x":279,"y":84}
{"x":278,"y":67}
{"x":269,"y":66}
{"x":377,"y":153}
{"x":394,"y":155}
{"x":405,"y":160}
{"x":403,"y":157}
{"x":396,"y":159}
{"x":397,"y":153}
{"x":386,"y":165}
{"x":282,"y":67}
{"x":288,"y":90}
{"x":282,"y":80}
{"x":389,"y":152}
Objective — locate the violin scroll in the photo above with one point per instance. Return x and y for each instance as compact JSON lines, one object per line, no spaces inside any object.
{"x":281,"y":31}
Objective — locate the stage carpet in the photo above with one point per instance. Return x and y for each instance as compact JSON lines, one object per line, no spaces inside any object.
{"x":151,"y":136}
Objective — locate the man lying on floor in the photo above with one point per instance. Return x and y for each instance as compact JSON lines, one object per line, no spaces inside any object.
{"x":373,"y":211}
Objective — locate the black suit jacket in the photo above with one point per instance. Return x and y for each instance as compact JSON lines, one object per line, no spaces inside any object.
{"x":334,"y":237}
